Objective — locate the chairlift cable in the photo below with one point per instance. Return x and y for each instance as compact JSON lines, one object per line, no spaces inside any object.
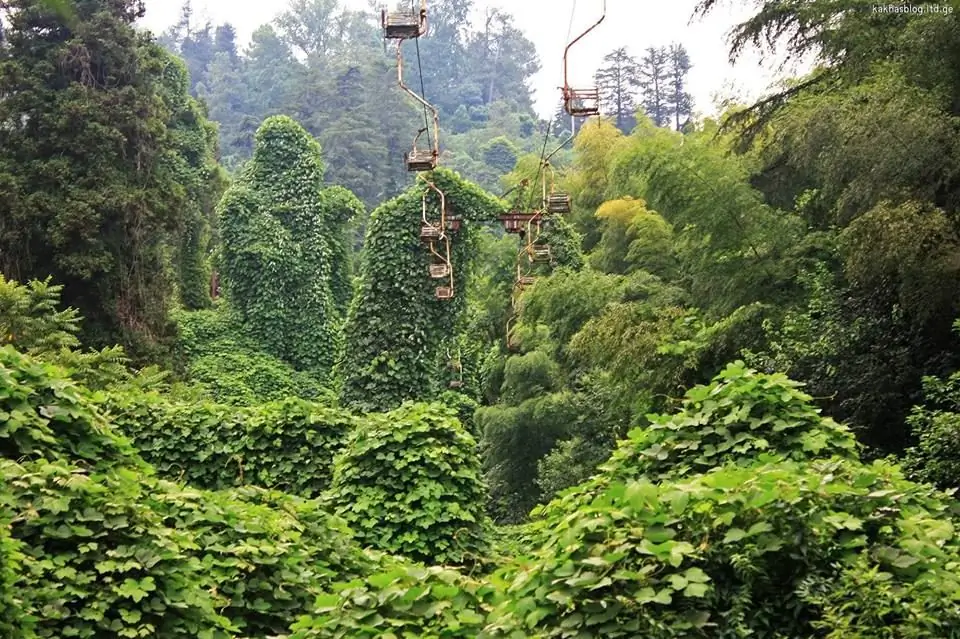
{"x":423,"y":92}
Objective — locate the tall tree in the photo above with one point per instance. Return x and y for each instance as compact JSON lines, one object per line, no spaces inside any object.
{"x":679,"y":100}
{"x":225,"y":41}
{"x":87,"y":190}
{"x":654,"y":84}
{"x":198,"y":50}
{"x":617,"y":81}
{"x":195,"y":164}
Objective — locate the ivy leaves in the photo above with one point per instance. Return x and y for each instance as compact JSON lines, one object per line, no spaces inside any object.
{"x":396,"y":327}
{"x":408,"y":482}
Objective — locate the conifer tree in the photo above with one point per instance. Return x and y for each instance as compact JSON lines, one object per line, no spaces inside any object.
{"x":617,"y":81}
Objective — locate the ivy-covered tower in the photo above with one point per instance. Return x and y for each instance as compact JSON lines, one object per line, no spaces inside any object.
{"x":279,"y":248}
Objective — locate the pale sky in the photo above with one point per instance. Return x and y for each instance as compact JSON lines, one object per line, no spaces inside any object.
{"x":634,"y":24}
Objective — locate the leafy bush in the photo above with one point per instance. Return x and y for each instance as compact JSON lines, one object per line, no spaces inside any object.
{"x":99,"y":562}
{"x":231,"y":367}
{"x":276,"y":255}
{"x":773,"y":549}
{"x":287,"y":445}
{"x":936,"y":427}
{"x":44,"y":414}
{"x":405,"y":601}
{"x":10,"y":561}
{"x":741,"y":414}
{"x":409,"y":483}
{"x":31,"y":322}
{"x":262,"y":559}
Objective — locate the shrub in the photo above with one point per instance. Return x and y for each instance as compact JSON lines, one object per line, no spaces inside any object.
{"x":99,"y":562}
{"x":10,"y":561}
{"x":405,"y":601}
{"x":780,"y":548}
{"x":230,"y":367}
{"x":44,"y":414}
{"x":741,"y":414}
{"x":286,"y":445}
{"x":936,"y":427}
{"x":258,"y":554}
{"x":408,"y":482}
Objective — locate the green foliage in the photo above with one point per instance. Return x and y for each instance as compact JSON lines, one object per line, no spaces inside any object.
{"x":516,"y":438}
{"x":31,"y":323}
{"x":847,"y":549}
{"x":739,"y":416}
{"x":46,"y":415}
{"x":228,"y":366}
{"x":935,"y":425}
{"x":99,"y":563}
{"x":529,"y":376}
{"x":404,"y":601}
{"x":408,"y":482}
{"x":90,"y":187}
{"x":29,"y":318}
{"x":343,"y":210}
{"x":276,"y":256}
{"x":286,"y":445}
{"x":396,"y":327}
{"x":197,"y":172}
{"x":11,"y":559}
{"x":500,"y":153}
{"x":265,"y":555}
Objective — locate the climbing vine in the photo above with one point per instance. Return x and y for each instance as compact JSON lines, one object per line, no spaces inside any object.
{"x":343,"y":208}
{"x":278,"y":256}
{"x":396,"y":327}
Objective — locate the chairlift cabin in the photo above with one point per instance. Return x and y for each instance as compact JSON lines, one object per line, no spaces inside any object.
{"x":558,"y":203}
{"x":439,"y":271}
{"x":539,"y":253}
{"x":432,"y":230}
{"x":553,"y":201}
{"x":404,"y":25}
{"x":457,"y":368}
{"x":430,"y":233}
{"x":581,"y":102}
{"x":444,"y":292}
{"x":516,"y":221}
{"x":420,"y":159}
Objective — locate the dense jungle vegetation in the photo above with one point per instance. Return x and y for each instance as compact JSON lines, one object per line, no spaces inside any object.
{"x":232,"y":405}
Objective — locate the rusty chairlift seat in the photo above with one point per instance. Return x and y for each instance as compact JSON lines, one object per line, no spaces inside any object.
{"x":456,"y":367}
{"x":404,"y":25}
{"x":516,"y":221}
{"x":439,"y":270}
{"x":581,"y":102}
{"x":558,"y":202}
{"x":420,"y":160}
{"x":540,"y":253}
